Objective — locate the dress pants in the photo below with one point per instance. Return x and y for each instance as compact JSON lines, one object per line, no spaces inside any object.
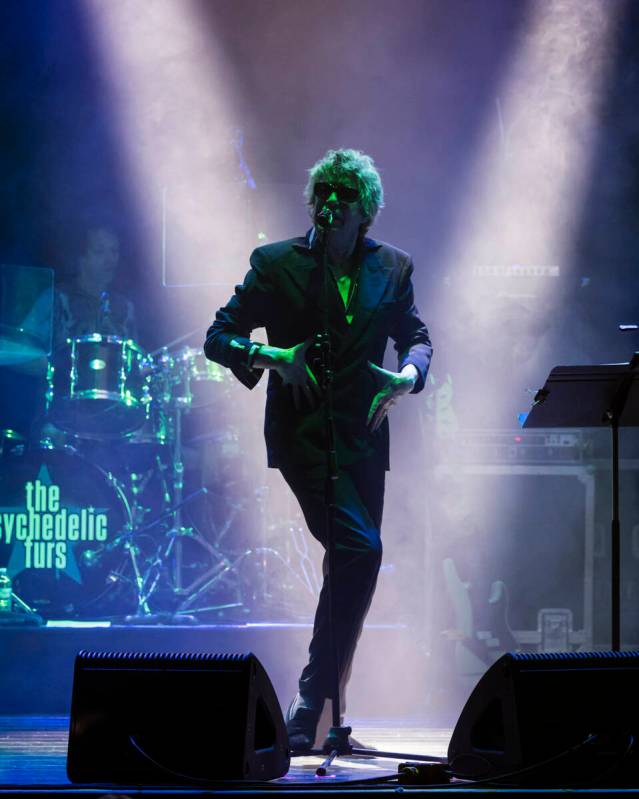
{"x":359,"y":502}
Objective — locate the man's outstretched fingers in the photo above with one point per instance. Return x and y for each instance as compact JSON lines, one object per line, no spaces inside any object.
{"x":379,"y":416}
{"x":371,"y":412}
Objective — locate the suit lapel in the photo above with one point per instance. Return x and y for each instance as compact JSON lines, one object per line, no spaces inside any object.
{"x":303,"y":273}
{"x":301,"y":270}
{"x":372,"y":284}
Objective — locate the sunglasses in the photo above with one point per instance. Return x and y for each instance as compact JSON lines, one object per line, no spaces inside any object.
{"x":345,"y":194}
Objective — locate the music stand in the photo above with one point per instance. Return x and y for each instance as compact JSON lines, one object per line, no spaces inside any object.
{"x":605,"y":395}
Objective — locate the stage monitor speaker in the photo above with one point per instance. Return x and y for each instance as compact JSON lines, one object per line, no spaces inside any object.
{"x":174,"y":719}
{"x":550,"y":718}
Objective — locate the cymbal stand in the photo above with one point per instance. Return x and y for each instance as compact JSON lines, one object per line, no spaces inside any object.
{"x":178,"y":531}
{"x":222,"y":565}
{"x":126,"y":537}
{"x":148,"y":583}
{"x":273,"y":566}
{"x":143,"y":608}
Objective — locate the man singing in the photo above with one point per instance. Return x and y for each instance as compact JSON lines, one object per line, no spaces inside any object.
{"x":370,"y":298}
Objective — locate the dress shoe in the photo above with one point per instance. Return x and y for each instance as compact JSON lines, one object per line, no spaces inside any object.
{"x":301,"y":723}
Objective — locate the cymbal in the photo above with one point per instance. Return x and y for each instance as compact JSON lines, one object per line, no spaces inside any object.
{"x":18,"y":346}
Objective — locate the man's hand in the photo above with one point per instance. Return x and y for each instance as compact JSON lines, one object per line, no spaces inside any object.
{"x":394,"y":386}
{"x":291,"y":366}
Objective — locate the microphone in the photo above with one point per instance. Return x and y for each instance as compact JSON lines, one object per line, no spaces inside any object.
{"x":325,"y":218}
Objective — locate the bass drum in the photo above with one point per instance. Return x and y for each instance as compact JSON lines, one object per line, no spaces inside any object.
{"x":63,"y":526}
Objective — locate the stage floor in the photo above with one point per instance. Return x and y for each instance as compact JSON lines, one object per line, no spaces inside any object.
{"x":33,"y":753}
{"x":33,"y":763}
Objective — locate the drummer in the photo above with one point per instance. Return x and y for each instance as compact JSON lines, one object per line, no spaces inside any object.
{"x":87,"y":304}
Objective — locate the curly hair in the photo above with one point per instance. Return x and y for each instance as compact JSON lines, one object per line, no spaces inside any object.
{"x":338,"y":164}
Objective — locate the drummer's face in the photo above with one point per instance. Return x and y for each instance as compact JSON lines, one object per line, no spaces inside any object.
{"x":101,"y":257}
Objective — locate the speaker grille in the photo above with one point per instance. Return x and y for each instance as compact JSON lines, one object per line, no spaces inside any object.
{"x":599,"y":658}
{"x":165,"y":718}
{"x":531,"y":709}
{"x":144,"y":658}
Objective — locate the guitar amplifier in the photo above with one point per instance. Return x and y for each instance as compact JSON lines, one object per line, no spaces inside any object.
{"x":535,"y":525}
{"x":520,"y":446}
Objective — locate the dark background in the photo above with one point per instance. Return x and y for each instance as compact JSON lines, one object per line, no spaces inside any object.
{"x":415,"y":84}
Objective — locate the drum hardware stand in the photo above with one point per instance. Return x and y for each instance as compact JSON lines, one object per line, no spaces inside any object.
{"x":147,"y":583}
{"x":262,"y":599}
{"x":176,"y":341}
{"x":178,"y":532}
{"x":262,"y":496}
{"x":311,"y":580}
{"x":166,"y":493}
{"x":264,"y":550}
{"x":206,"y":581}
{"x":173,"y":550}
{"x":217,"y":572}
{"x":138,"y":481}
{"x":133,"y":552}
{"x":170,"y":551}
{"x":126,"y":539}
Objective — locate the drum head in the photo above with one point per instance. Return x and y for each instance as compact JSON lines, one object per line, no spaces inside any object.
{"x":207,"y":383}
{"x":96,"y":417}
{"x":61,"y":523}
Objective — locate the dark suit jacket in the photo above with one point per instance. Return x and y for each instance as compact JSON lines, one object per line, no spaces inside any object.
{"x":281,"y":292}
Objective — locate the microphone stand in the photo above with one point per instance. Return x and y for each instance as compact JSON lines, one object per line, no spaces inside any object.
{"x":337,"y":743}
{"x":338,"y":735}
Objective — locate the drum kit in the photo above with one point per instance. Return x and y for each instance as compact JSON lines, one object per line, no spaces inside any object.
{"x":108,"y":515}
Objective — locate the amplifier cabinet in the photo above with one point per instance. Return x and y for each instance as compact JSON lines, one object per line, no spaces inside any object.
{"x":535,"y":524}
